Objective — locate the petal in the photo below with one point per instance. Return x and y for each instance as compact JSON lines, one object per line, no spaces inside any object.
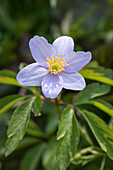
{"x":51,"y":85}
{"x":63,"y":45}
{"x":77,"y":60}
{"x":73,"y":81}
{"x":41,"y":49}
{"x":31,"y":75}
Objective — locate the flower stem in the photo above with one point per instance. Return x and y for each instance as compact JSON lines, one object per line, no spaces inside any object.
{"x":103,"y":163}
{"x":58,"y":108}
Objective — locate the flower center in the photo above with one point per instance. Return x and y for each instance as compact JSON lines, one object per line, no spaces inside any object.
{"x":56,"y":65}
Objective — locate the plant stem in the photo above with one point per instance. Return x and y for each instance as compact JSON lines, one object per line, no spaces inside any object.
{"x":103,"y":163}
{"x":58,"y":108}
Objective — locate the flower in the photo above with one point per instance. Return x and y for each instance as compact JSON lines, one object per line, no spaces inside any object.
{"x":56,"y":66}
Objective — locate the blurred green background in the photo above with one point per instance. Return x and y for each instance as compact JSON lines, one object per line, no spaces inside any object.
{"x":88,"y":22}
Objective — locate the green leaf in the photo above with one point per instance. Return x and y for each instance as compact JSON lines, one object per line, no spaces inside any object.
{"x":85,"y":137}
{"x":49,"y":160}
{"x":103,"y":105}
{"x":108,"y":98}
{"x":8,"y":101}
{"x":68,"y":137}
{"x":94,"y":90}
{"x":52,"y":119}
{"x":91,"y":91}
{"x":10,"y":81}
{"x":9,"y":77}
{"x":94,"y":75}
{"x":93,"y":63}
{"x":102,"y":132}
{"x":37,"y":104}
{"x":18,"y":125}
{"x":27,"y":142}
{"x":34,"y":130}
{"x":106,"y":72}
{"x":32,"y":158}
{"x":7,"y":73}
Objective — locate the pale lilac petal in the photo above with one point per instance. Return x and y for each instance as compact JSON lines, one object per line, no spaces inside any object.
{"x":31,"y":75}
{"x":63,"y":45}
{"x":51,"y":85}
{"x":77,"y":60}
{"x":73,"y":81}
{"x":41,"y":49}
{"x":43,"y":39}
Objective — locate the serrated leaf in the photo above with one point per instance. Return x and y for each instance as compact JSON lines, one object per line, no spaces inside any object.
{"x":8,"y":101}
{"x":96,"y":75}
{"x":68,"y":137}
{"x":101,"y":131}
{"x":18,"y":125}
{"x":37,"y":104}
{"x":49,"y":160}
{"x":91,"y":91}
{"x":32,"y":158}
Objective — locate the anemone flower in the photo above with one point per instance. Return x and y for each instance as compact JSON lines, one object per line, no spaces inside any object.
{"x":56,"y":66}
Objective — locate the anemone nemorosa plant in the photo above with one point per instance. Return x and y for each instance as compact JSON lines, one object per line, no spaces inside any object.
{"x":56,"y":66}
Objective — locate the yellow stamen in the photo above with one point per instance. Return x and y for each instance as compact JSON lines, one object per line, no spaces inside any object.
{"x":56,"y":65}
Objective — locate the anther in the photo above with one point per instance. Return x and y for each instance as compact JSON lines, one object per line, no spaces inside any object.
{"x":56,"y":64}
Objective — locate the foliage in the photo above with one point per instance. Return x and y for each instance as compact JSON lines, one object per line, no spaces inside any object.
{"x":68,"y":133}
{"x":68,"y":137}
{"x":75,"y":131}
